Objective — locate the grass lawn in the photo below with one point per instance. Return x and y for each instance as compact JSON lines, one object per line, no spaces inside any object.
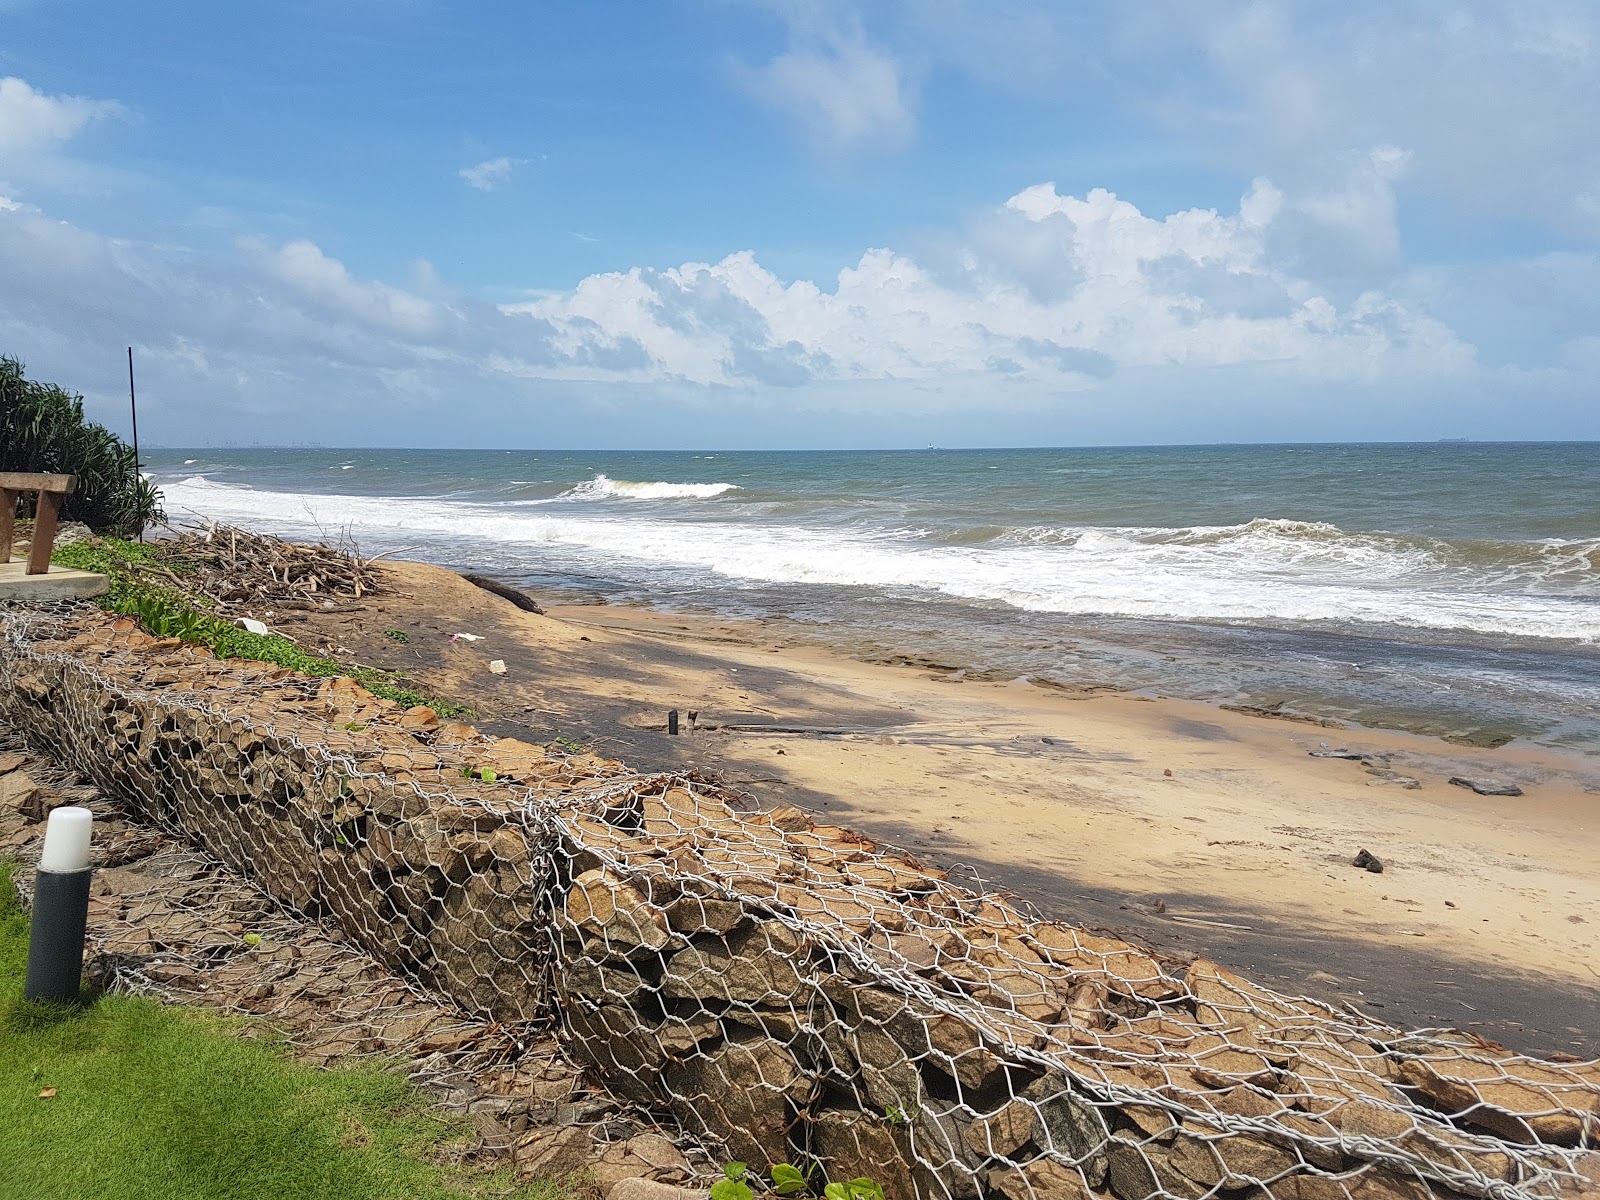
{"x":157,"y":1102}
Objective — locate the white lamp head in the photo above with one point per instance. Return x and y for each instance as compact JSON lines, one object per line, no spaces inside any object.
{"x":66,"y":840}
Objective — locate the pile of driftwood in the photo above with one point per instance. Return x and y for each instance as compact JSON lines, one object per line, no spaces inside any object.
{"x":238,"y":567}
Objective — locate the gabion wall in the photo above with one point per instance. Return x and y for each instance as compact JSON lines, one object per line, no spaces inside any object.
{"x":785,"y":988}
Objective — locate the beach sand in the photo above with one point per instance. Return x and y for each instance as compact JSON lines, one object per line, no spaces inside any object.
{"x":1193,"y":829}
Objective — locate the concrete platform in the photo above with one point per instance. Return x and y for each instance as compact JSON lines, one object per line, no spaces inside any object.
{"x":60,"y":583}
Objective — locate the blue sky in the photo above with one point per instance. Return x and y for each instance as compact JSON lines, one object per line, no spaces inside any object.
{"x":712,"y":223}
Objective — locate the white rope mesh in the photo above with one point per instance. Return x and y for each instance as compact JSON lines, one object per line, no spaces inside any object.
{"x":787,"y":989}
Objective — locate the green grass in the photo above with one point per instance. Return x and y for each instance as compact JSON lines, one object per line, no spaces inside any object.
{"x":167,"y":612}
{"x":157,"y":1102}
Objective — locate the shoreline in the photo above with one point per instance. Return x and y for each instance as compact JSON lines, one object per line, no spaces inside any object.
{"x":1242,"y":853}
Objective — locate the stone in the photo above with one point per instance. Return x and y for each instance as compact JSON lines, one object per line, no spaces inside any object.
{"x":1309,"y":1187}
{"x":1123,"y":967}
{"x":1236,"y":1161}
{"x":694,"y":914}
{"x":491,"y":1132}
{"x":938,"y":1133}
{"x":552,"y":1152}
{"x":649,"y":1189}
{"x":1141,"y":1172}
{"x":742,"y":1093}
{"x":856,"y":1145}
{"x":765,"y":964}
{"x":1512,"y":1101}
{"x":19,"y":793}
{"x":1004,"y":1132}
{"x":610,"y":1038}
{"x":602,"y":984}
{"x":788,"y":818}
{"x":602,"y":905}
{"x":1377,"y":1184}
{"x":1586,"y":1177}
{"x":1042,"y":1179}
{"x":920,"y":951}
{"x":680,"y":1036}
{"x":419,"y":717}
{"x":1486,"y":787}
{"x":1068,"y":1125}
{"x":1152,"y":1122}
{"x":1027,"y":992}
{"x":1244,"y":1101}
{"x":950,"y":1044}
{"x":645,"y":1156}
{"x":869,"y":1055}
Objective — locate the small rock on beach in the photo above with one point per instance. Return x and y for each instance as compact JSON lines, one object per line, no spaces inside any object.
{"x":1486,"y":787}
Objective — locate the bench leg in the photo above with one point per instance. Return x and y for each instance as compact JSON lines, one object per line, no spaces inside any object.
{"x":44,"y":532}
{"x":8,"y":522}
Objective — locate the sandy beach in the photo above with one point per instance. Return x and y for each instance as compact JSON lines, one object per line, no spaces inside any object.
{"x":1194,"y":829}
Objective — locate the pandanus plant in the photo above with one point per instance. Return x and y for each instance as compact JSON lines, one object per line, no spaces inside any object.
{"x":43,"y":428}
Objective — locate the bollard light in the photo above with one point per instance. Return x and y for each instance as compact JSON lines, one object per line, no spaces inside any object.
{"x":66,"y":840}
{"x":60,"y":909}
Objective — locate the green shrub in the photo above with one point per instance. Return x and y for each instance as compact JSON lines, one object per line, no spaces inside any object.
{"x":42,"y":428}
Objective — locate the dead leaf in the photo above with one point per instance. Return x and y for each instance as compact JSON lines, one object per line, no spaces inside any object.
{"x":48,"y":1093}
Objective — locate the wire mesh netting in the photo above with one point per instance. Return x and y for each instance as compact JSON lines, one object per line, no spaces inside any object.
{"x":786,"y":989}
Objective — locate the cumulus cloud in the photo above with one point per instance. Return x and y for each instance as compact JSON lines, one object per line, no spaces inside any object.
{"x":491,"y":173}
{"x":841,"y":90}
{"x":1049,"y":303}
{"x":1050,"y":288}
{"x":325,"y":282}
{"x":32,"y":120}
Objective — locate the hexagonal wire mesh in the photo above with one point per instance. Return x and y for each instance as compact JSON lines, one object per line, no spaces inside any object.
{"x":785,"y":988}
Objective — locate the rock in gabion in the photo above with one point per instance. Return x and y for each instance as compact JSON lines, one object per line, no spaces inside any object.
{"x":787,"y":988}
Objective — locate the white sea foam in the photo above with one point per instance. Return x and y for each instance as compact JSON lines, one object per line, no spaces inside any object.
{"x":602,"y":487}
{"x":1272,"y":571}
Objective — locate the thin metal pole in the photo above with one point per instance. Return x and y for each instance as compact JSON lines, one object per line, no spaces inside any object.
{"x":133,"y":405}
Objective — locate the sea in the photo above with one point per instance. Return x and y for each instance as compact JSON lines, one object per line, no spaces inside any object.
{"x":1448,"y":588}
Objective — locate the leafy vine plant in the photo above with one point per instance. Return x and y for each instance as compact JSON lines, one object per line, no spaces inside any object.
{"x":789,"y":1180}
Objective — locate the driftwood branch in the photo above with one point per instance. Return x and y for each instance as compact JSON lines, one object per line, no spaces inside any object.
{"x":521,"y":599}
{"x":236,"y":567}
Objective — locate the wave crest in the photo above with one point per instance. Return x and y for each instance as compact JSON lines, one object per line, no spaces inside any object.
{"x":602,"y":487}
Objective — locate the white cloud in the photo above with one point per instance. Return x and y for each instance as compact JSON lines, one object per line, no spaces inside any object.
{"x":31,"y":120}
{"x":322,"y":280}
{"x":1051,"y":289}
{"x":843,"y":92}
{"x":491,"y":173}
{"x":1084,"y":311}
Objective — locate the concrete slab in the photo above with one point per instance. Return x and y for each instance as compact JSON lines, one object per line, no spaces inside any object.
{"x":60,"y":583}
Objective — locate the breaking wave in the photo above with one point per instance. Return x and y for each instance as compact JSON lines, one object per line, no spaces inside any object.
{"x":1260,"y":572}
{"x":602,"y":487}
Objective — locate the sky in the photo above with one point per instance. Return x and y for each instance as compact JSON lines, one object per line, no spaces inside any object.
{"x":719,"y":223}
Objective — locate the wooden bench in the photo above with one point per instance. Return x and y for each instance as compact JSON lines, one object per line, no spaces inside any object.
{"x":50,"y":488}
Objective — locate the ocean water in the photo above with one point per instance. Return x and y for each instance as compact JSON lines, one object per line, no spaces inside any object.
{"x":1447,"y":588}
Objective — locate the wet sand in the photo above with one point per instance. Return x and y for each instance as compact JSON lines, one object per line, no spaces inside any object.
{"x":1193,"y":829}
